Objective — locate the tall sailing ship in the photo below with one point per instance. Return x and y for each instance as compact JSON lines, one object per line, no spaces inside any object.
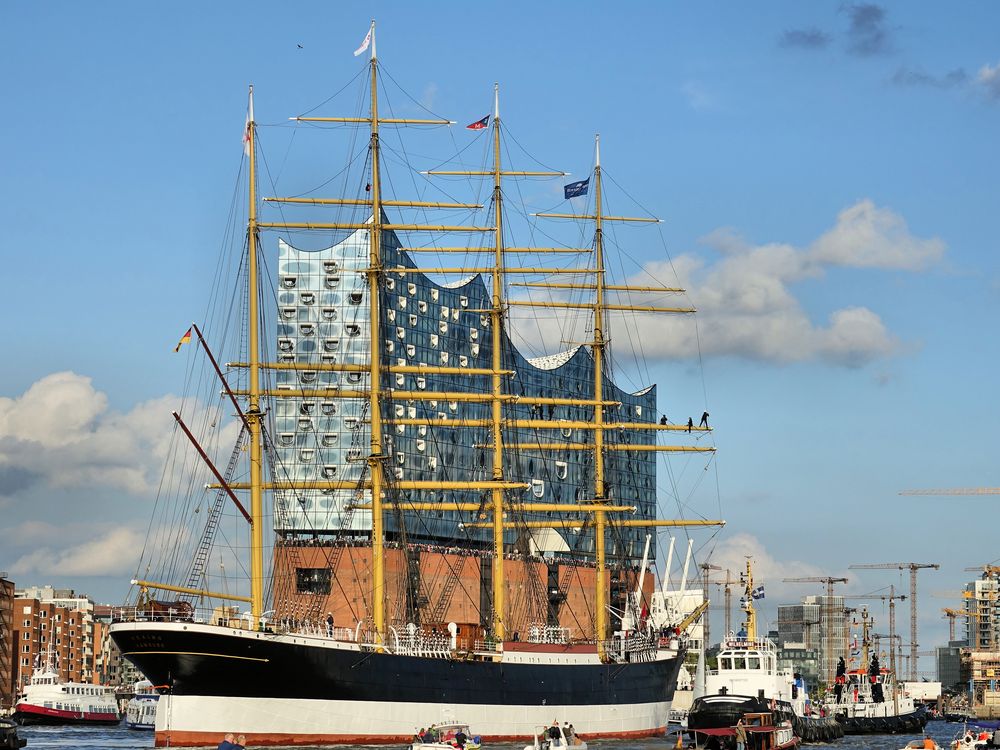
{"x":456,"y":527}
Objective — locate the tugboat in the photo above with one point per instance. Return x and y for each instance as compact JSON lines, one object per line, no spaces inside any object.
{"x":869,"y":700}
{"x":748,"y":681}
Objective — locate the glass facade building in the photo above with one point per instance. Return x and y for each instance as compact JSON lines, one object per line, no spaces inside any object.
{"x":324,"y":317}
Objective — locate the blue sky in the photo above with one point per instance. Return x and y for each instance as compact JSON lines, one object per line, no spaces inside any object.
{"x":826,"y":173}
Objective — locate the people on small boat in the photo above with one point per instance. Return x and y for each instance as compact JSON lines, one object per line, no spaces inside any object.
{"x":228,"y":742}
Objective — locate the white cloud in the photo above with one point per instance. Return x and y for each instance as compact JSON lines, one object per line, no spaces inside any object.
{"x":732,"y":554}
{"x":870,"y":237}
{"x":989,"y":79}
{"x":114,"y":552}
{"x":61,"y":433}
{"x":746,"y":300}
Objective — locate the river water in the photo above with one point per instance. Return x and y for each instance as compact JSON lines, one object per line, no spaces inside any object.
{"x":120,"y":738}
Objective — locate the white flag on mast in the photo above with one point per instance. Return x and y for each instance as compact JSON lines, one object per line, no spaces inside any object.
{"x":365,"y":44}
{"x":246,"y":128}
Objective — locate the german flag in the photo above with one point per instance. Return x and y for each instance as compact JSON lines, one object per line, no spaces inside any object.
{"x":185,"y":339}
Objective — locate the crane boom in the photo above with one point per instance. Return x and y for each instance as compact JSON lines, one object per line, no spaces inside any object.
{"x":913,"y":568}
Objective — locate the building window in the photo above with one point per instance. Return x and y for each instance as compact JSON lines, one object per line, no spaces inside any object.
{"x":312,"y":580}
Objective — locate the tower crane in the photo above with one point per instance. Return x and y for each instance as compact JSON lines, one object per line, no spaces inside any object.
{"x":913,"y":568}
{"x":828,"y":655}
{"x":951,"y":614}
{"x":726,"y":585}
{"x":988,"y":571}
{"x":706,"y":629}
{"x":891,"y":597}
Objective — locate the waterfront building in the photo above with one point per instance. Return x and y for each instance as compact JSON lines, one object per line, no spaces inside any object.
{"x":801,"y":660}
{"x":818,"y":625}
{"x":110,"y":667}
{"x":949,"y":666}
{"x":323,"y":318}
{"x":57,"y":621}
{"x":982,"y":602}
{"x":7,"y":644}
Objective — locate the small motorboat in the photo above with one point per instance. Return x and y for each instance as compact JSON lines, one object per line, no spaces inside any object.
{"x":555,"y":737}
{"x":447,"y":737}
{"x":976,"y":739}
{"x":927,"y":743}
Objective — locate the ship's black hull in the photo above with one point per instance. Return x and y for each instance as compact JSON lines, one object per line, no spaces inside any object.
{"x":903,"y":724}
{"x":196,"y":662}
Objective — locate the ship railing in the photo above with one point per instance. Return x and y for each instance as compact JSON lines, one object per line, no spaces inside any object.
{"x":487,"y":646}
{"x":413,"y":642}
{"x":634,"y":647}
{"x":292,"y":626}
{"x":170,"y":614}
{"x":548,"y":634}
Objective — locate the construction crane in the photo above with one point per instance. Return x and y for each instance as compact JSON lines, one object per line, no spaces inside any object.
{"x":828,"y":655}
{"x":726,"y":585}
{"x":705,"y":623}
{"x":913,"y":568}
{"x":891,"y":597}
{"x":951,"y":614}
{"x":988,"y":571}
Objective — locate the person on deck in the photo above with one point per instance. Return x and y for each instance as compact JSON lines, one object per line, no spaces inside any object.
{"x":554,"y":730}
{"x":741,"y":735}
{"x":460,"y":738}
{"x":929,"y":744}
{"x":704,"y":420}
{"x":329,"y":624}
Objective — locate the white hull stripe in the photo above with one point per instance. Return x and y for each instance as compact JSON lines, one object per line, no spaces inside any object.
{"x":201,"y":720}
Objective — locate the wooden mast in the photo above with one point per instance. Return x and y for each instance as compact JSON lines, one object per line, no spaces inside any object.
{"x":597,"y":349}
{"x":254,"y":416}
{"x":375,"y":369}
{"x":496,"y":319}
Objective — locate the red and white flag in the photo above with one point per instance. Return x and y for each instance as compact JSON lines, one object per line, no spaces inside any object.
{"x":366,"y":43}
{"x":479,"y":124}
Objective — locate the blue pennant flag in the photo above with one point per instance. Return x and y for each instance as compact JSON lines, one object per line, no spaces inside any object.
{"x":758,"y":593}
{"x":575,"y":189}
